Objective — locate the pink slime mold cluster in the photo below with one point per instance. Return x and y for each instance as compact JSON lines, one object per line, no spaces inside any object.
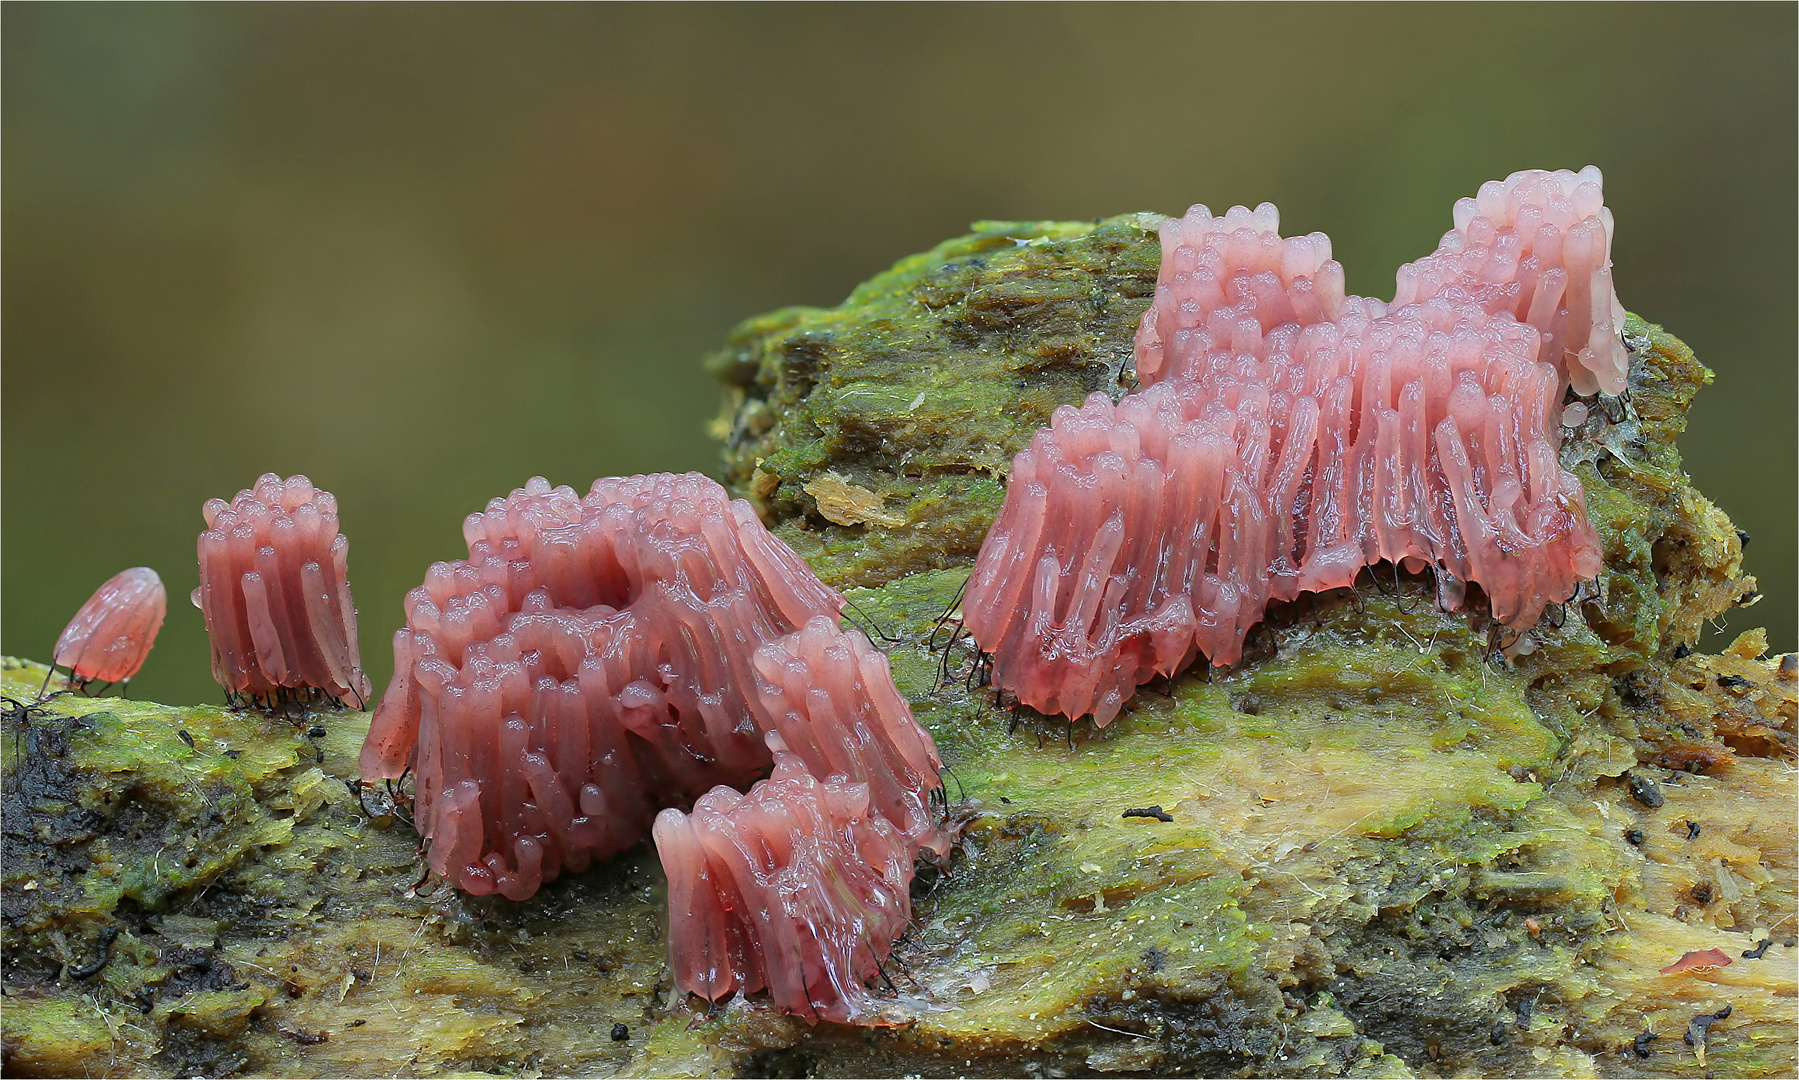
{"x":807,"y":877}
{"x":1291,"y":435}
{"x":275,"y":593}
{"x":598,"y":659}
{"x":110,"y":636}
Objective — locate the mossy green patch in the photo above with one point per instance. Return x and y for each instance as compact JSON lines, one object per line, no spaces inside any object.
{"x":925,"y":380}
{"x":142,"y":806}
{"x":252,"y":916}
{"x":60,"y":1035}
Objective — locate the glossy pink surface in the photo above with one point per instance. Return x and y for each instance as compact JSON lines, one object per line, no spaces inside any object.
{"x":799,"y":888}
{"x":1534,"y":248}
{"x":829,"y":694}
{"x":598,"y":659}
{"x":110,"y":636}
{"x":1292,"y":435}
{"x":275,"y":592}
{"x":589,"y":664}
{"x":619,"y":632}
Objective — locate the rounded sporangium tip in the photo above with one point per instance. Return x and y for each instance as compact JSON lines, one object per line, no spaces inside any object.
{"x":620,"y":1033}
{"x":110,"y":636}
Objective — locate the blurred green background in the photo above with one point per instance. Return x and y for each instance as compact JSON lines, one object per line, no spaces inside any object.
{"x":422,"y":253}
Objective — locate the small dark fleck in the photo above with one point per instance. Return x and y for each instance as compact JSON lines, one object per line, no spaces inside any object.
{"x":1645,"y":791}
{"x":358,"y":1023}
{"x":234,"y":754}
{"x":1748,"y":598}
{"x":579,"y":954}
{"x":1005,"y":800}
{"x":1249,"y":705}
{"x":1756,"y":953}
{"x":1526,"y":1006}
{"x":620,"y":1033}
{"x":308,"y":1038}
{"x":1635,"y":836}
{"x":317,"y":731}
{"x":88,"y":971}
{"x":145,"y":997}
{"x":1701,"y":1024}
{"x":1733,"y":681}
{"x":1641,"y":1043}
{"x":1692,"y":830}
{"x":185,"y":737}
{"x":1150,"y":811}
{"x":1637,"y":689}
{"x":1497,"y":1035}
{"x":1743,"y":537}
{"x":1682,"y":651}
{"x":1702,"y":893}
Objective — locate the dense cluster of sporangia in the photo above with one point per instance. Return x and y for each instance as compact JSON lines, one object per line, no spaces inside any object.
{"x":1291,"y":435}
{"x":652,"y":647}
{"x":275,"y":592}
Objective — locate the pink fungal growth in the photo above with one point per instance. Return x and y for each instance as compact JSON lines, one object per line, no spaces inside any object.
{"x":588,"y":665}
{"x":1535,"y":247}
{"x":110,"y":636}
{"x":598,"y":659}
{"x":799,"y":887}
{"x":1291,"y":436}
{"x":829,"y":695}
{"x":275,"y":592}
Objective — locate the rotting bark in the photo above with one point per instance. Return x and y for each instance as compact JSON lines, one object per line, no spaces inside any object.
{"x":1391,"y":851}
